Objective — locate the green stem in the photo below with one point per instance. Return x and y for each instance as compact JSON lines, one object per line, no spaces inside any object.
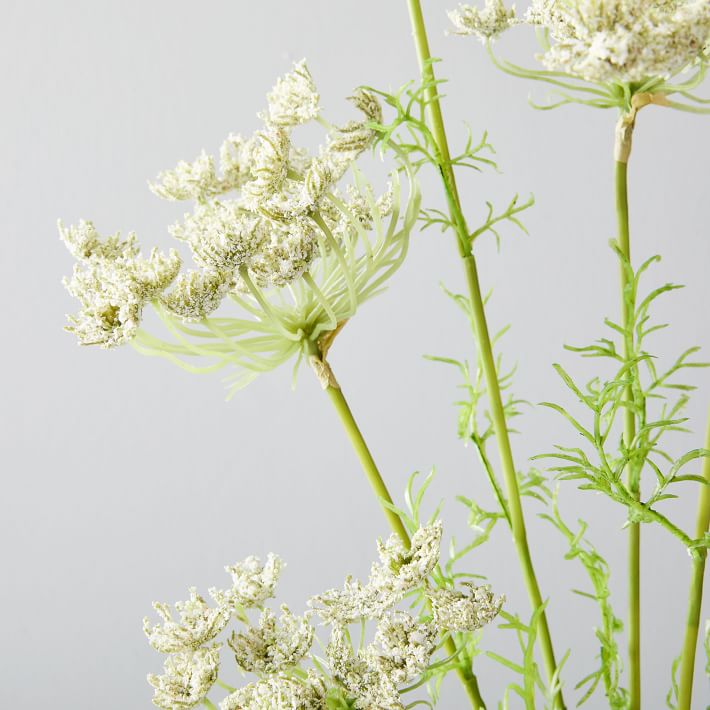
{"x":484,"y":343}
{"x":634,"y":561}
{"x":695,"y":598}
{"x":340,"y":404}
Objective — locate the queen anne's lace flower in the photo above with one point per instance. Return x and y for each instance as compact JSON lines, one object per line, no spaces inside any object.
{"x":485,"y":24}
{"x":399,"y":571}
{"x":221,"y":235}
{"x":403,"y":646}
{"x":235,"y":161}
{"x":262,"y":220}
{"x":287,"y":252}
{"x":196,"y":294}
{"x":188,"y":181}
{"x":344,"y":606}
{"x":361,"y":675}
{"x":294,"y":99}
{"x":252,"y":582}
{"x":622,"y":40}
{"x":278,"y":692}
{"x":199,"y":624}
{"x":456,"y":611}
{"x":276,"y":645}
{"x":187,"y":679}
{"x":619,"y":41}
{"x":270,"y":159}
{"x":357,"y":675}
{"x":113,"y":283}
{"x":400,"y":568}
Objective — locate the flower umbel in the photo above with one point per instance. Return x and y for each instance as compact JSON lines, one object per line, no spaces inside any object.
{"x":373,"y":673}
{"x":276,"y":645}
{"x":199,"y":623}
{"x":603,"y":53}
{"x":486,"y":24}
{"x":187,"y":679}
{"x":458,"y":611}
{"x":273,"y":237}
{"x":252,"y":582}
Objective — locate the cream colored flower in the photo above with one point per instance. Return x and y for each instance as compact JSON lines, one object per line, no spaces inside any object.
{"x":187,"y":678}
{"x":458,"y":611}
{"x":252,"y":582}
{"x":276,"y":645}
{"x":199,"y":623}
{"x":278,"y":692}
{"x":486,"y":24}
{"x":622,"y":40}
{"x":294,"y":99}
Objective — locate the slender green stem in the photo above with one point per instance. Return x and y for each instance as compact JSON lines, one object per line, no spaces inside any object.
{"x":483,"y":342}
{"x":695,"y":598}
{"x":337,"y":398}
{"x":634,"y":559}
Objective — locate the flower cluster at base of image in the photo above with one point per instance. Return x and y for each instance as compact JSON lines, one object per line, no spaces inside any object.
{"x":272,"y":231}
{"x":355,"y":672}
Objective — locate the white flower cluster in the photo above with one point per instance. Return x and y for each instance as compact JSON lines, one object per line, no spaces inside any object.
{"x":187,"y":678}
{"x":458,"y":611}
{"x":192,"y":668}
{"x":399,"y":571}
{"x":261,"y":216}
{"x":363,"y":676}
{"x":252,"y":582}
{"x":276,"y":645}
{"x":268,"y":229}
{"x":623,"y":41}
{"x":279,"y":692}
{"x":113,"y":282}
{"x":400,"y":653}
{"x":615,"y":41}
{"x":485,"y":24}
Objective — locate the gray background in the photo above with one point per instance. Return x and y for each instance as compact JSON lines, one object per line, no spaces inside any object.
{"x":126,"y":480}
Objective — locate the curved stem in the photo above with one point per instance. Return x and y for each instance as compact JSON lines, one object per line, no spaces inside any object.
{"x":622,"y":150}
{"x":484,"y":344}
{"x":695,"y":597}
{"x":340,"y":404}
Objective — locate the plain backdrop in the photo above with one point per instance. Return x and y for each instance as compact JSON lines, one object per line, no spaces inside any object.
{"x":126,"y":479}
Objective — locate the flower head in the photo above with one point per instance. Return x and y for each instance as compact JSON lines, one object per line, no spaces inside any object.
{"x":278,"y":692}
{"x":197,"y":294}
{"x":623,"y":40}
{"x":485,"y":24}
{"x":403,"y":646}
{"x":271,"y":236}
{"x":621,"y":47}
{"x":353,"y":602}
{"x":198,"y":624}
{"x":187,"y":678}
{"x":252,"y":582}
{"x":276,"y":645}
{"x":294,"y":99}
{"x":188,"y":181}
{"x":113,"y":282}
{"x":402,"y":569}
{"x":458,"y":611}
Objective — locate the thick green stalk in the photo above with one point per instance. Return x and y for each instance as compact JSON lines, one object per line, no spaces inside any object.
{"x":483,"y":342}
{"x":695,"y":598}
{"x":337,"y":398}
{"x":622,"y":152}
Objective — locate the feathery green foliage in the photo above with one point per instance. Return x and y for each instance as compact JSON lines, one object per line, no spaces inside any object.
{"x":658,"y":400}
{"x":412,"y":134}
